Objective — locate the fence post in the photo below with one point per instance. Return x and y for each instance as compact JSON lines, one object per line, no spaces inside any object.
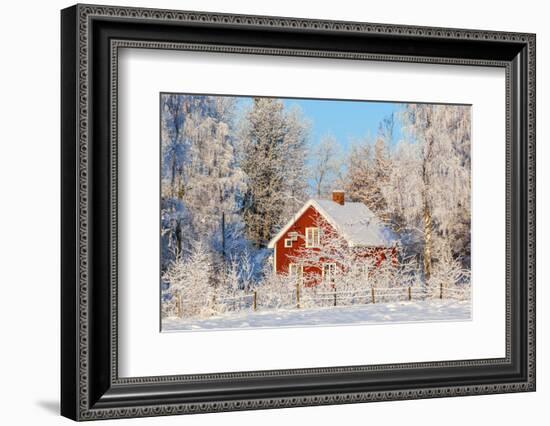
{"x":298,"y":295}
{"x":441,"y":290}
{"x":410,"y":296}
{"x":255,"y":299}
{"x":372,"y":294}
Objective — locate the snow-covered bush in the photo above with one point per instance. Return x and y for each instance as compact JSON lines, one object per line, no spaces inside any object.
{"x":189,"y":281}
{"x":168,"y":305}
{"x":276,"y":291}
{"x":449,"y":280}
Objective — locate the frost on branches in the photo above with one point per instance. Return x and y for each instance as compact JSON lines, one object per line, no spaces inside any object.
{"x":234,"y":172}
{"x":421,"y":185}
{"x":190,"y":280}
{"x":272,"y":143}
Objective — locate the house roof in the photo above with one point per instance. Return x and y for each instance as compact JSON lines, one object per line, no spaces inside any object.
{"x":357,"y":224}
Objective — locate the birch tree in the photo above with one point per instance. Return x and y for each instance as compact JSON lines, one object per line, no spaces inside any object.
{"x":172,"y":146}
{"x":201,"y":180}
{"x":211,"y":178}
{"x":442,"y":133}
{"x":360,"y":182}
{"x":368,"y":172}
{"x":325,"y":165}
{"x":402,"y":195}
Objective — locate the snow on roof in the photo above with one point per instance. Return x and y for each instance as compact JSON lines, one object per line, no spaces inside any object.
{"x":356,"y":223}
{"x":359,"y":226}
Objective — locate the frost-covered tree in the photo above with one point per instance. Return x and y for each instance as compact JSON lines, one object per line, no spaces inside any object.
{"x":294,"y":160}
{"x":190,"y":282}
{"x":209,"y":173}
{"x":421,"y":185}
{"x":276,"y":291}
{"x":402,"y":196}
{"x":172,"y":146}
{"x":273,"y":158}
{"x":442,"y":133}
{"x":369,"y":168}
{"x":325,"y":165}
{"x":360,"y":180}
{"x":450,"y":278}
{"x":368,"y":171}
{"x":175,"y":218}
{"x":383,"y":166}
{"x":176,"y":229}
{"x":201,"y":181}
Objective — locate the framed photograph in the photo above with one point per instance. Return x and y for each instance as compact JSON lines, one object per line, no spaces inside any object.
{"x":263,"y":212}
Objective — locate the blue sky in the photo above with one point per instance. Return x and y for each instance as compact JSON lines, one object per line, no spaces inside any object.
{"x":347,"y":121}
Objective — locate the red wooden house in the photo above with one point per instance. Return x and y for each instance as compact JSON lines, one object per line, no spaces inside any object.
{"x":355,"y":225}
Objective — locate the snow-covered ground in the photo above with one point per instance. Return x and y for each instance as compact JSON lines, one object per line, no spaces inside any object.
{"x":430,"y":310}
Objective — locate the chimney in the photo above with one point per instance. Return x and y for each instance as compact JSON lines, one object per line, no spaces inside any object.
{"x":338,"y":197}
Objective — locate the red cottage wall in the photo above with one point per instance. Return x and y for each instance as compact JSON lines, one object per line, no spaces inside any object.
{"x":309,"y":219}
{"x":282,"y":254}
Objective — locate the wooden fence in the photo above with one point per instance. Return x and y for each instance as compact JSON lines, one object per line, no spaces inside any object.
{"x":307,"y":297}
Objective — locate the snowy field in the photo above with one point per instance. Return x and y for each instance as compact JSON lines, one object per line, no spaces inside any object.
{"x":397,"y":312}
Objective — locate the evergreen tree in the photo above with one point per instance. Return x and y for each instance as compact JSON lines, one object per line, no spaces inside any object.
{"x":273,"y":159}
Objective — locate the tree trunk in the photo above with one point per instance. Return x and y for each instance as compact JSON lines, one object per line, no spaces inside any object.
{"x":427,"y":214}
{"x":173,"y":178}
{"x":223,"y":237}
{"x":178,"y":237}
{"x":427,"y":241}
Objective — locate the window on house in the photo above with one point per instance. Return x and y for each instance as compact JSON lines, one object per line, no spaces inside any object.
{"x":329,"y":271}
{"x":363,"y":271}
{"x":296,"y":271}
{"x":292,"y":236}
{"x":312,"y":237}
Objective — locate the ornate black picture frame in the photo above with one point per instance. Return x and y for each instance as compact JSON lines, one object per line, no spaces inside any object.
{"x":91,"y":387}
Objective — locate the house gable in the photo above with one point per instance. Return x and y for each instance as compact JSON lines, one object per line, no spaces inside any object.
{"x":290,"y":224}
{"x":358,"y":225}
{"x":355,"y":223}
{"x":295,"y":232}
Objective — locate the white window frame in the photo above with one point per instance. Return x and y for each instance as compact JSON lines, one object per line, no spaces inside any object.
{"x":298,"y":274}
{"x":313,"y":237}
{"x":291,"y":237}
{"x":330,"y":265}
